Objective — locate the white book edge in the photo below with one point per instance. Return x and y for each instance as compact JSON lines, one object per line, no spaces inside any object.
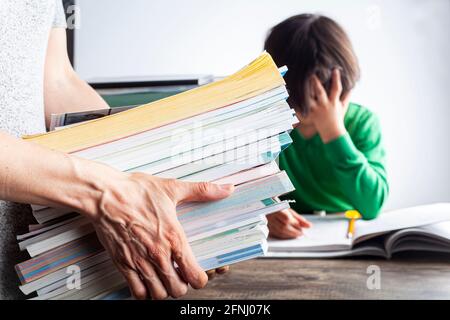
{"x":259,"y":219}
{"x":85,"y":277}
{"x":250,"y":175}
{"x":276,"y":94}
{"x":173,"y":145}
{"x":58,"y":240}
{"x":169,"y":157}
{"x":57,"y":275}
{"x":45,"y":229}
{"x":226,"y":241}
{"x":51,"y":233}
{"x":250,"y":152}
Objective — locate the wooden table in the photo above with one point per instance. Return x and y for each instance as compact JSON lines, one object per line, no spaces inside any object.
{"x":407,"y":276}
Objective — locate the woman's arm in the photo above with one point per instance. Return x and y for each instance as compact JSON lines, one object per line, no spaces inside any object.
{"x":64,"y":91}
{"x":361,"y":173}
{"x":134,"y":214}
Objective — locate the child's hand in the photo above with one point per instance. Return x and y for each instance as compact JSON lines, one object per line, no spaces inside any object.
{"x":286,"y":224}
{"x":328,"y":111}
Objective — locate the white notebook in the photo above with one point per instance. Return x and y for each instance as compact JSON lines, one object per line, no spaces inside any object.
{"x":425,"y":228}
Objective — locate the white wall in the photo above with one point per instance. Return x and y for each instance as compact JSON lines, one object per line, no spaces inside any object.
{"x":403,"y":47}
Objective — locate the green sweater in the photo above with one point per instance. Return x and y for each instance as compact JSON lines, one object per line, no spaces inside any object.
{"x":346,"y":173}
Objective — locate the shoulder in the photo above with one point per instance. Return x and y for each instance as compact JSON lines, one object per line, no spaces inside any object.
{"x":357,"y":114}
{"x":359,"y":117}
{"x":362,"y":124}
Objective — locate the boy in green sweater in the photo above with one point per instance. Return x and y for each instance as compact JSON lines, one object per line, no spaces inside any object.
{"x":337,"y":160}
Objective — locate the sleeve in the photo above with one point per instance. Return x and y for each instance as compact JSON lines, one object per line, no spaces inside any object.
{"x":359,"y":165}
{"x":59,"y":19}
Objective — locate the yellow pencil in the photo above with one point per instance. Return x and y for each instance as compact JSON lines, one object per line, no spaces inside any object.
{"x":351,"y":228}
{"x":352,"y":215}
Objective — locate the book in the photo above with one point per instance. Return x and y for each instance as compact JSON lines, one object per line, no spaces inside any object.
{"x":258,"y":77}
{"x":238,"y":178}
{"x":61,"y":257}
{"x":57,"y":278}
{"x":225,"y":173}
{"x":60,"y":120}
{"x":188,"y":214}
{"x":218,"y":246}
{"x":110,"y":280}
{"x":249,"y":106}
{"x":207,"y":169}
{"x":422,"y":228}
{"x":229,"y":131}
{"x":150,"y":81}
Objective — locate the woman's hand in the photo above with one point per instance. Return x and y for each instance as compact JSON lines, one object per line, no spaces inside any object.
{"x":219,"y":271}
{"x":286,"y":224}
{"x":137,"y":223}
{"x":134,"y":214}
{"x":327,"y":112}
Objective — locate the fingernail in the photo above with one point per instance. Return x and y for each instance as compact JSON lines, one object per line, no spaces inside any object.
{"x":227,"y":187}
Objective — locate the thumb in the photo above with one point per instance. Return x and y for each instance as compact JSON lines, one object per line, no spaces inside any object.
{"x":201,"y":191}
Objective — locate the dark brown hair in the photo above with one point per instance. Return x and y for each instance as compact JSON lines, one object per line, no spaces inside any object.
{"x":312,"y":44}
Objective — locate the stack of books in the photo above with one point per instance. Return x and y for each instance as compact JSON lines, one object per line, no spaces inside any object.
{"x":229,"y":131}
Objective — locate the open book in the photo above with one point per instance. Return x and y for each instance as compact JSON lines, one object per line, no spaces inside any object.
{"x":422,"y":228}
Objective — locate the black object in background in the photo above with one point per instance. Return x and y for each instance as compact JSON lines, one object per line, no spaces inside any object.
{"x":70,"y":33}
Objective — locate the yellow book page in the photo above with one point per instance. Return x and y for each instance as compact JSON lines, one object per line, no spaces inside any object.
{"x":259,"y":76}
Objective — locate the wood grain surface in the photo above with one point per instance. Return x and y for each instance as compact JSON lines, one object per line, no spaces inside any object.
{"x":407,"y":276}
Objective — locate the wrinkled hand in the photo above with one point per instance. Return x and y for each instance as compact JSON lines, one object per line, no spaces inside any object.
{"x":137,"y":224}
{"x":286,"y":224}
{"x":327,"y":112}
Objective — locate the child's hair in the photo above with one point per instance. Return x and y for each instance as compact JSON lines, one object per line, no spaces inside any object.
{"x":312,"y":44}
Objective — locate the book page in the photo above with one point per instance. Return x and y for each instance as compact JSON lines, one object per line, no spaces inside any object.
{"x":403,"y":218}
{"x":441,"y":229}
{"x":327,"y":233}
{"x":376,"y":251}
{"x":434,"y":237}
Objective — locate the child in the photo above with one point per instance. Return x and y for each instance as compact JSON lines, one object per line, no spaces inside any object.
{"x":337,"y":160}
